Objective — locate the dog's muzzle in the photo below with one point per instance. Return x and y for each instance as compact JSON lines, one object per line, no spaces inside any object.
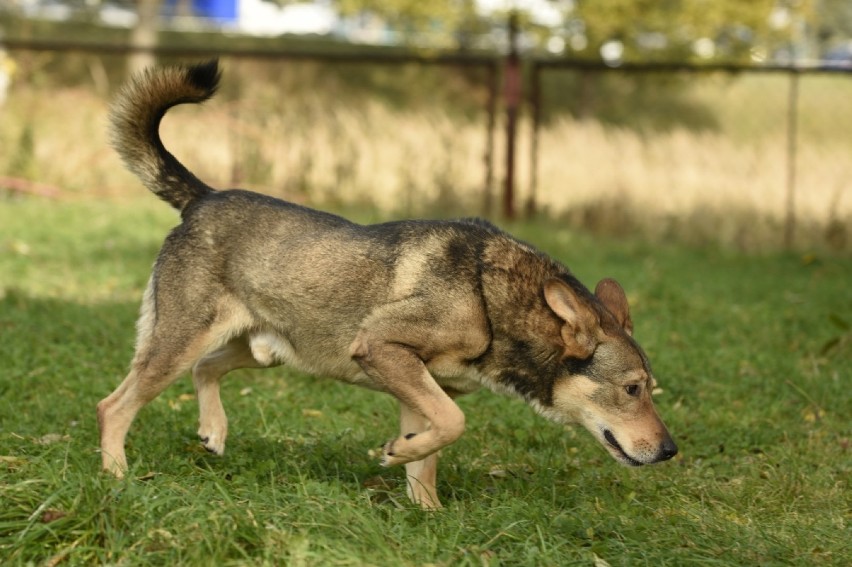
{"x":666,"y":451}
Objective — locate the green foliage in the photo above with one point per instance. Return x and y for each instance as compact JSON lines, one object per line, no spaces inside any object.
{"x":834,"y":20}
{"x":413,"y":14}
{"x":734,"y":25}
{"x":758,"y":406}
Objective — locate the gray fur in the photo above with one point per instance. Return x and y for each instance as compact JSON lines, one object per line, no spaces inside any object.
{"x":422,"y":310}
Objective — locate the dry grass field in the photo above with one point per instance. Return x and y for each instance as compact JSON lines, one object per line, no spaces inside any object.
{"x":725,"y":184}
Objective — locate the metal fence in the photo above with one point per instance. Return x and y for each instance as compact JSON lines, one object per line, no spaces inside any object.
{"x":579,"y":138}
{"x":452,"y":73}
{"x":721,"y":115}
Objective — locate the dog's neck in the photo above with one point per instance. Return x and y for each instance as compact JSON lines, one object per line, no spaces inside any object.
{"x":523,"y":327}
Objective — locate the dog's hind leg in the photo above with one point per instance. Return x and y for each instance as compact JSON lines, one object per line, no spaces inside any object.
{"x":420,"y":475}
{"x":149,"y":375}
{"x":167,"y":346}
{"x":153,"y":369}
{"x":206,"y":376}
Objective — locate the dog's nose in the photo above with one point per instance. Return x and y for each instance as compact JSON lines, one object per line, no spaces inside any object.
{"x":667,"y":450}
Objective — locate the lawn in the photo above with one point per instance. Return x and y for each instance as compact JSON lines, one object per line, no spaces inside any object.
{"x":753,"y":355}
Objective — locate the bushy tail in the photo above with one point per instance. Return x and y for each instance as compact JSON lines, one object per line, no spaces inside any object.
{"x":135,"y":122}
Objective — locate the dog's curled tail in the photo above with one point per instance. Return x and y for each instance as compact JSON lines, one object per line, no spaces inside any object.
{"x":135,"y":123}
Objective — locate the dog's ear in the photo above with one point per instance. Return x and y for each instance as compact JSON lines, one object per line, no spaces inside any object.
{"x":579,"y":333}
{"x":612,"y":295}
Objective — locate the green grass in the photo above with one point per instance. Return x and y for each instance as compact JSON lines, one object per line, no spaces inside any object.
{"x":752,"y":353}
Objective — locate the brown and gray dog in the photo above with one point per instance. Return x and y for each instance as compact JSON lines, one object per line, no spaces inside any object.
{"x":423,"y":310}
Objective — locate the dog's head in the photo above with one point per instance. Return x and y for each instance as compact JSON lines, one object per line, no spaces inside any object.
{"x":605,"y":382}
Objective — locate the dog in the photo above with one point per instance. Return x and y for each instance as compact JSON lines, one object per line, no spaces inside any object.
{"x":425,"y":311}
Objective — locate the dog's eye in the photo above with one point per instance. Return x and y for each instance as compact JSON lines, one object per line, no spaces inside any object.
{"x":632,"y":390}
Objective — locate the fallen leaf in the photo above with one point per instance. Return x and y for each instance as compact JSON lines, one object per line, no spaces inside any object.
{"x":147,"y":476}
{"x":186,"y":397}
{"x":51,"y":515}
{"x":160,"y":534}
{"x":12,"y":461}
{"x":311,"y":413}
{"x":60,"y":557}
{"x":812,"y":414}
{"x":498,"y":472}
{"x":376,"y":483}
{"x":245,"y":391}
{"x":20,"y":247}
{"x":600,"y":562}
{"x":51,"y":438}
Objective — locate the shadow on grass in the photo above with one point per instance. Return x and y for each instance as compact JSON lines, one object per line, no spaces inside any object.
{"x":62,"y":357}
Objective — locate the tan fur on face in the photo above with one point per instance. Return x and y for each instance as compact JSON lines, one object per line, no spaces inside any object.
{"x":599,"y":407}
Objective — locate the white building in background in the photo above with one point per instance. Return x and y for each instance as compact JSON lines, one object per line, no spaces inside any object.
{"x":300,"y":17}
{"x":257,"y":17}
{"x":266,"y":18}
{"x":252,"y":17}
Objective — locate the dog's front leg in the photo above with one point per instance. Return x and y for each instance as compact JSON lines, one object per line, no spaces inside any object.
{"x":402,"y":373}
{"x":420,"y":475}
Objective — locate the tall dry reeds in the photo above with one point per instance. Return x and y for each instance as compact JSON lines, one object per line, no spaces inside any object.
{"x":314,"y":148}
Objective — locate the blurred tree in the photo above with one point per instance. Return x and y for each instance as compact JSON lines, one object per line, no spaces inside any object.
{"x":409,"y":13}
{"x":670,"y":29}
{"x":728,"y":30}
{"x":834,"y":20}
{"x":445,"y":21}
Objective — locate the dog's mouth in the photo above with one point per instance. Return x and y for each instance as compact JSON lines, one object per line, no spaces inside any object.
{"x":619,"y":451}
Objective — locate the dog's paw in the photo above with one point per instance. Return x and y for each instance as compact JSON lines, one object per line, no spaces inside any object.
{"x":213,"y":443}
{"x":389,"y":457}
{"x":395,"y":452}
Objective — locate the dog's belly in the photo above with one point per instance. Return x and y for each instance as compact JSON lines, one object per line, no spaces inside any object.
{"x":272,"y":349}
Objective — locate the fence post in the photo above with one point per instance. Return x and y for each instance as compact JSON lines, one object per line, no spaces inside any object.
{"x":792,"y":134}
{"x":535,"y":103}
{"x":512,"y":96}
{"x":144,"y":36}
{"x":491,"y":109}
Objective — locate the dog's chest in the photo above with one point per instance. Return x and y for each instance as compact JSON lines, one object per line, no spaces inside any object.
{"x":460,"y":378}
